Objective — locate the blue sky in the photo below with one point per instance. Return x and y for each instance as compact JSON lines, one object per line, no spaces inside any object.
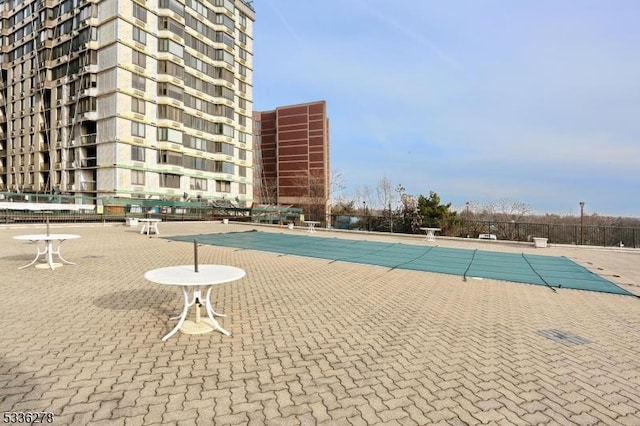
{"x":532,"y":101}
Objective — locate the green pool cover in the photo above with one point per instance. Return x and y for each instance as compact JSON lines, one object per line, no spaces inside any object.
{"x":550,"y":271}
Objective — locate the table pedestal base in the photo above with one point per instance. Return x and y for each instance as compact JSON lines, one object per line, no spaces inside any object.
{"x":48,"y":253}
{"x":48,"y":266}
{"x":192,"y":327}
{"x":198,"y":326}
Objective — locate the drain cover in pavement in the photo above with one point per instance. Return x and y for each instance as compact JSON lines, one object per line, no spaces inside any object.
{"x":564,"y":337}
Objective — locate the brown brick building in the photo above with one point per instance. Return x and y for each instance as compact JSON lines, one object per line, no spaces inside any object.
{"x":292,"y":157}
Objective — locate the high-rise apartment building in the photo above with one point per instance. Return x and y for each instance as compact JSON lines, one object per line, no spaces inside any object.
{"x":292,"y":157}
{"x":127,"y":98}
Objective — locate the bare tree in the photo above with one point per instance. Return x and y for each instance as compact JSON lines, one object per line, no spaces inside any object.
{"x":507,"y":210}
{"x":363,"y":196}
{"x":504,"y":214}
{"x":386,"y":193}
{"x":267,"y":191}
{"x":310,"y":191}
{"x":336,"y":184}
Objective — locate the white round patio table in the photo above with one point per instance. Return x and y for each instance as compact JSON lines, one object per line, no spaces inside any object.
{"x":193,"y":285}
{"x":48,"y":249}
{"x":311,"y":225}
{"x":149,"y":225}
{"x":430,"y":233}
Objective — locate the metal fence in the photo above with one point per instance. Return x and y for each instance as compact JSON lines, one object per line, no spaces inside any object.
{"x":595,"y":235}
{"x":39,"y":208}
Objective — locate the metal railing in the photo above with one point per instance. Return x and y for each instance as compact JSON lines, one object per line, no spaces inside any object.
{"x":37,"y":208}
{"x":594,"y":235}
{"x":15,"y":207}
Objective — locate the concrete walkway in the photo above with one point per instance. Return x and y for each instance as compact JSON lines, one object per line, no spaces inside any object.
{"x":312,"y":342}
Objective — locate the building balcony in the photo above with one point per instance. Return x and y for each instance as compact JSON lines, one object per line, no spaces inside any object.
{"x":88,"y":116}
{"x":89,"y":162}
{"x":91,"y":91}
{"x":90,"y":139}
{"x":87,"y":186}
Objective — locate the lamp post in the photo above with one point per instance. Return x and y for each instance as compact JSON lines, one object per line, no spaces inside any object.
{"x":467,"y":218}
{"x":581,"y":222}
{"x":364,"y":204}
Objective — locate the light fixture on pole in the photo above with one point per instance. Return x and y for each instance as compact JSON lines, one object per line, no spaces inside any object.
{"x":364,"y":208}
{"x":467,"y":218}
{"x":581,"y":222}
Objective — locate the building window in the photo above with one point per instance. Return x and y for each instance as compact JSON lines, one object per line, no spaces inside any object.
{"x":166,"y":23}
{"x":166,"y":89}
{"x":138,"y":129}
{"x":223,"y":186}
{"x":139,"y":12}
{"x":242,"y":154}
{"x":223,"y":148}
{"x":242,"y":188}
{"x":196,"y":143}
{"x":220,"y":110}
{"x":169,"y":157}
{"x":224,"y":20}
{"x":223,"y":167}
{"x":173,"y":5}
{"x":242,"y":171}
{"x":137,"y":177}
{"x":223,"y":37}
{"x":197,"y":184}
{"x":195,"y":163}
{"x":137,"y":153}
{"x":139,"y":59}
{"x":169,"y":112}
{"x":199,"y":7}
{"x":167,"y":45}
{"x":243,"y":137}
{"x":170,"y":135}
{"x":138,"y":105}
{"x":223,"y":74}
{"x":139,"y":35}
{"x":171,"y":68}
{"x":223,"y":55}
{"x":138,"y":82}
{"x":168,"y":180}
{"x":223,"y":129}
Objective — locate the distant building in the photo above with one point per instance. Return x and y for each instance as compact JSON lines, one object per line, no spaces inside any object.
{"x":292,"y":157}
{"x":127,"y":98}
